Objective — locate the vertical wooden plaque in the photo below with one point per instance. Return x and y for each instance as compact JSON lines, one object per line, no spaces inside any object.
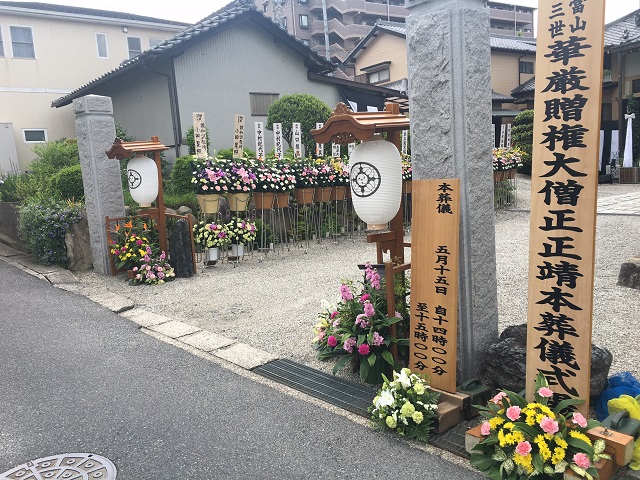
{"x":564,"y":183}
{"x":238,"y":137}
{"x":200,"y":135}
{"x":435,"y":242}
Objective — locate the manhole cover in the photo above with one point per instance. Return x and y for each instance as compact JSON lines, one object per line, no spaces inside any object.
{"x":69,"y":466}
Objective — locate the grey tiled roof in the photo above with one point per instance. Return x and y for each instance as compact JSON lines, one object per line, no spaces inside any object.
{"x":216,"y":19}
{"x":512,"y":44}
{"x":499,"y":97}
{"x":393,"y":27}
{"x":623,"y":30}
{"x":526,"y":87}
{"x":90,"y":12}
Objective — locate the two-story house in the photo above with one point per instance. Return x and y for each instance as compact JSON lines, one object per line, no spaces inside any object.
{"x":46,"y":51}
{"x":381,"y":59}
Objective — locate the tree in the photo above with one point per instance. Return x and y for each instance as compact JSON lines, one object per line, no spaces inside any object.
{"x":522,"y":137}
{"x":304,"y":109}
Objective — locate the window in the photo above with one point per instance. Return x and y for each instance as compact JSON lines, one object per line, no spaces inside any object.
{"x":260,"y":102}
{"x":135,"y":46}
{"x":635,"y":86}
{"x":1,"y":44}
{"x":154,"y":41}
{"x":101,"y":44}
{"x":526,"y":67}
{"x":304,"y":21}
{"x":379,"y":76}
{"x":284,"y":22}
{"x":302,"y":1}
{"x":36,"y":135}
{"x":265,"y":7}
{"x":306,"y":42}
{"x":22,"y":42}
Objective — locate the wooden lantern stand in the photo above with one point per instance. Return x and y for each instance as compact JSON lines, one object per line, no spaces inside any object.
{"x":345,"y":126}
{"x":121,"y":150}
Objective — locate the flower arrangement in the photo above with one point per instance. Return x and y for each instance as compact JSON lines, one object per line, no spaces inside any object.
{"x":341,"y":170}
{"x":240,"y":177}
{"x":210,"y":235}
{"x":405,"y":405}
{"x":326,"y":174}
{"x":507,"y":158}
{"x":358,"y":329}
{"x":131,"y":243}
{"x":240,"y":231}
{"x":154,"y":270}
{"x":523,"y":439}
{"x":277,"y":178}
{"x":406,"y":167}
{"x":306,"y":175}
{"x":209,"y":177}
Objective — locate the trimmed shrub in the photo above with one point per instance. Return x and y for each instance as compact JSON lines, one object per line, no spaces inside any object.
{"x":8,"y":188}
{"x":68,"y":183}
{"x":522,"y":137}
{"x":43,"y":227}
{"x":180,"y":179}
{"x":228,"y":153}
{"x":176,"y":201}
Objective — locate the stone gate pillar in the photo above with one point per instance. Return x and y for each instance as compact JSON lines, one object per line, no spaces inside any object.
{"x":96,"y":131}
{"x":450,"y":103}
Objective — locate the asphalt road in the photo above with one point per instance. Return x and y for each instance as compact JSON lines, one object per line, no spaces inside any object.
{"x":76,"y":377}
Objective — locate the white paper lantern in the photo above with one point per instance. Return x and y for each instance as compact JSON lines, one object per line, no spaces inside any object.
{"x":142,"y":176}
{"x":376,"y":182}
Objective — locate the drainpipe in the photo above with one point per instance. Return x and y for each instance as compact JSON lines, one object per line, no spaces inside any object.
{"x":293,"y":16}
{"x":327,"y":53}
{"x":520,"y":73}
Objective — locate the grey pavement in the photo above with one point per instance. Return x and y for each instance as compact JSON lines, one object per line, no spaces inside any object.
{"x":78,"y":377}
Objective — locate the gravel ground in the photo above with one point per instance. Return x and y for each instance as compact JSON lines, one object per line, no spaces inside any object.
{"x":272,"y":304}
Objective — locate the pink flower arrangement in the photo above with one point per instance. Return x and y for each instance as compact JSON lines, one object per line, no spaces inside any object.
{"x":346,"y":292}
{"x":369,"y":311}
{"x":498,"y":398}
{"x":377,"y":339}
{"x":513,"y":413}
{"x":549,"y":425}
{"x":332,"y":341}
{"x":581,"y":460}
{"x":363,"y":349}
{"x":579,"y":419}
{"x":545,"y":392}
{"x":523,"y":448}
{"x":364,"y":297}
{"x":349,"y":344}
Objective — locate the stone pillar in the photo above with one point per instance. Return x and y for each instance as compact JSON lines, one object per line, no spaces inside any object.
{"x":96,"y":131}
{"x":450,"y":103}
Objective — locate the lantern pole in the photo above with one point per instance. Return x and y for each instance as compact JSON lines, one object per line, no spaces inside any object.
{"x":162,"y":221}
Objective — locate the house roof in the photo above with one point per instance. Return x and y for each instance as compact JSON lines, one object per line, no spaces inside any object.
{"x":623,"y":30}
{"x":498,"y":42}
{"x":527,"y":87}
{"x":182,"y":40}
{"x":37,"y":7}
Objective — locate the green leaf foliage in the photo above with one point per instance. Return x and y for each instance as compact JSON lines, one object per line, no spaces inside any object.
{"x":180,"y":178}
{"x":522,"y":137}
{"x":299,"y":108}
{"x":68,"y":183}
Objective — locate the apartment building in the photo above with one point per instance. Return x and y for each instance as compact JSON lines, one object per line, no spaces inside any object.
{"x":333,"y":28}
{"x":46,"y":51}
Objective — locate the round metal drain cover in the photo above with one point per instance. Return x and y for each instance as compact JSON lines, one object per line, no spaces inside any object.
{"x":69,"y":466}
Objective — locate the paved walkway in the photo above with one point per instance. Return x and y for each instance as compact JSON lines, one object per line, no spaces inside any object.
{"x":625,"y":204}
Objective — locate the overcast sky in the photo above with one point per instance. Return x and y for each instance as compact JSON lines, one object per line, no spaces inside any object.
{"x":191,"y":11}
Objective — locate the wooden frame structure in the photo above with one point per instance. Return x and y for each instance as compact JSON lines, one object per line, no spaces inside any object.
{"x":121,"y":150}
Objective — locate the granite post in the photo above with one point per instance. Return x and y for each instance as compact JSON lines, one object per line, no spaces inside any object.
{"x":96,"y":131}
{"x":450,"y":103}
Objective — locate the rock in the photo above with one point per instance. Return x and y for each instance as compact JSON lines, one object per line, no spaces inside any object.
{"x":184,"y":210}
{"x":630,"y":274}
{"x":180,"y":248}
{"x":506,"y":362}
{"x":79,"y":246}
{"x":170,"y":211}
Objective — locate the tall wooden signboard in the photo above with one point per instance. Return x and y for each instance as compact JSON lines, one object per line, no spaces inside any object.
{"x":564,"y":184}
{"x":238,"y":137}
{"x":434,"y":281}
